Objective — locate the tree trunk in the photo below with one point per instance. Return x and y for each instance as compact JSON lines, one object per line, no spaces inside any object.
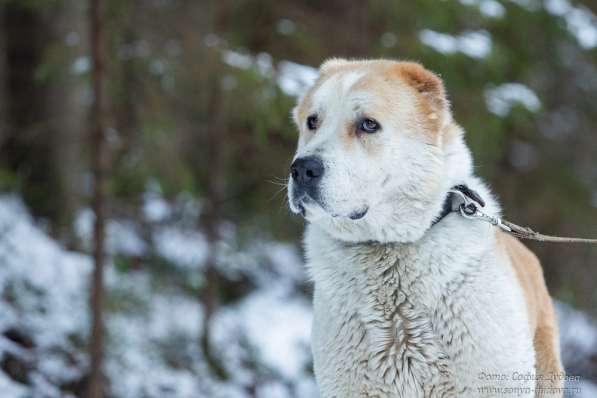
{"x":3,"y":93}
{"x":67,"y":120}
{"x":98,"y":117}
{"x":211,"y":220}
{"x":38,"y":134}
{"x":213,"y":171}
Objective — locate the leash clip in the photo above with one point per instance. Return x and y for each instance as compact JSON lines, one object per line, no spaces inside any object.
{"x":469,"y":208}
{"x":468,"y":203}
{"x":472,"y":211}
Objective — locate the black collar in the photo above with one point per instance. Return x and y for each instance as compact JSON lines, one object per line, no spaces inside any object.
{"x":453,"y":201}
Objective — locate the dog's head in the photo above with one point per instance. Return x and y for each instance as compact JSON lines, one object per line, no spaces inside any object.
{"x":377,"y":151}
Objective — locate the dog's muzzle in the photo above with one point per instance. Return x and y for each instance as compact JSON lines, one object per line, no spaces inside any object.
{"x":306,"y":175}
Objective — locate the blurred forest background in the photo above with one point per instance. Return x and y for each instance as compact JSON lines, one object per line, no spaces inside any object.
{"x":205,"y":291}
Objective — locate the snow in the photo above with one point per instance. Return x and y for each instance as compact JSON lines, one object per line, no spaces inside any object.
{"x":294,"y":79}
{"x":153,"y":329}
{"x":135,"y":358}
{"x":529,"y":5}
{"x":501,"y":99}
{"x":275,"y":325}
{"x":576,"y":330}
{"x":584,"y":389}
{"x":80,"y":65}
{"x":237,"y":59}
{"x":291,"y":77}
{"x":288,"y":320}
{"x":261,"y":62}
{"x":46,"y":285}
{"x":489,"y":8}
{"x":474,"y":44}
{"x":11,"y":389}
{"x":122,"y":236}
{"x":264,"y":261}
{"x":184,"y":247}
{"x":155,"y":207}
{"x":578,"y":341}
{"x":580,"y":21}
{"x":286,"y":26}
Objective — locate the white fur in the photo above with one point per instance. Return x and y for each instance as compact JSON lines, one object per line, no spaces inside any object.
{"x":404,"y":186}
{"x":402,"y":309}
{"x":420,"y":319}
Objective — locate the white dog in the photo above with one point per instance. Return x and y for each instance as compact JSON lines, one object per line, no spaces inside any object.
{"x":410,"y":299}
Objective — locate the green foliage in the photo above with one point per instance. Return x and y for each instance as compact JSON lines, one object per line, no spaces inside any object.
{"x":9,"y":181}
{"x":170,"y":91}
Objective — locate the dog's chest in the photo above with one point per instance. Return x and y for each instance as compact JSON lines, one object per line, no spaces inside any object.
{"x":380,"y":340}
{"x":387,"y":327}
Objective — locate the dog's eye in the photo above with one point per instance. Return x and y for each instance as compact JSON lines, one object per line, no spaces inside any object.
{"x":312,"y":122}
{"x":368,"y":126}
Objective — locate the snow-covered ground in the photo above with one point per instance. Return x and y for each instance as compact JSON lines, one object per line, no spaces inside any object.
{"x":153,"y":328}
{"x":42,"y":306}
{"x":262,"y":339}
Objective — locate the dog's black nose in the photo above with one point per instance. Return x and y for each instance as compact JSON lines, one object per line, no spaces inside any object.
{"x":307,"y":171}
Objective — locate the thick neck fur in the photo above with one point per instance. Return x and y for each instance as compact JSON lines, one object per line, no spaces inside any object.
{"x":448,"y":236}
{"x":383,"y":306}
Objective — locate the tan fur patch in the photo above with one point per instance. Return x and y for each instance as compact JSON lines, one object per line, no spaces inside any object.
{"x":386,"y":79}
{"x":424,"y":81}
{"x":432,"y":99}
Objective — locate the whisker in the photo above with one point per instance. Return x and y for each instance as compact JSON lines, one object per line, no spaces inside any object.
{"x":278,"y":181}
{"x":283,"y":187}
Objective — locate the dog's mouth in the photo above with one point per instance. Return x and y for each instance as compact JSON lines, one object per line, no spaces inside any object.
{"x":301,"y":209}
{"x":303,"y":204}
{"x":309,"y":208}
{"x":358,"y":214}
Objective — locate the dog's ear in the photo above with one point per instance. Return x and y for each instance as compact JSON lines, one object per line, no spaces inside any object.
{"x":426,"y":83}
